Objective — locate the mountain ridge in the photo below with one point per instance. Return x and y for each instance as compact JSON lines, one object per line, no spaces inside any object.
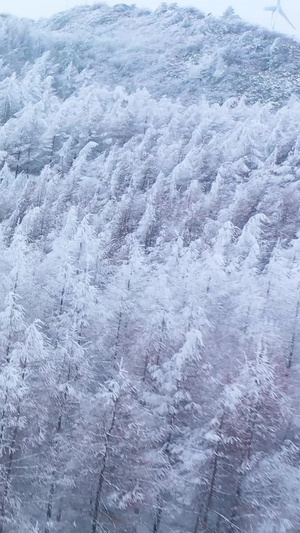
{"x":195,"y":55}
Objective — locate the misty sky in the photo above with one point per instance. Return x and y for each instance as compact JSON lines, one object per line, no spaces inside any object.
{"x":252,"y":10}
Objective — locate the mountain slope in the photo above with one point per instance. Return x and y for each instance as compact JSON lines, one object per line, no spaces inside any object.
{"x":185,"y":53}
{"x":173,"y":51}
{"x":149,"y":295}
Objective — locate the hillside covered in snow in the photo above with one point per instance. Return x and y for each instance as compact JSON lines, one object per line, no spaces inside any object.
{"x":149,"y":274}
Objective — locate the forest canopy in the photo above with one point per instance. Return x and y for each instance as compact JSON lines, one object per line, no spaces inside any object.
{"x":149,"y":289}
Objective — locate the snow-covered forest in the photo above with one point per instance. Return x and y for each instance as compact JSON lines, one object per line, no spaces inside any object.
{"x":150,"y":274}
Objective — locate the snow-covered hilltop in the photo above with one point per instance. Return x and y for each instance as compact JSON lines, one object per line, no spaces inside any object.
{"x":149,"y":274}
{"x":172,"y":51}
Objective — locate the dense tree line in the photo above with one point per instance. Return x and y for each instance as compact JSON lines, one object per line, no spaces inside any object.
{"x":149,"y":314}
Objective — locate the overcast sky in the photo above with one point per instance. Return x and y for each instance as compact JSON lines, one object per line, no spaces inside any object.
{"x":252,"y":10}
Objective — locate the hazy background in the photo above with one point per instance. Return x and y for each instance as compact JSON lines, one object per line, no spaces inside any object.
{"x":252,"y":10}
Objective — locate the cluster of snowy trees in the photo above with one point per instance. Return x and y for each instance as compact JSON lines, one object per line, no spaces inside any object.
{"x":149,"y":309}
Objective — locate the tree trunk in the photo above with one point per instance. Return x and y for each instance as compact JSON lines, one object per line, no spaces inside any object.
{"x":292,"y":347}
{"x":211,"y":486}
{"x":108,"y":433}
{"x":53,"y":483}
{"x":158,"y":517}
{"x":248,"y":449}
{"x":118,"y":336}
{"x":50,"y":505}
{"x":17,"y":167}
{"x":159,"y":511}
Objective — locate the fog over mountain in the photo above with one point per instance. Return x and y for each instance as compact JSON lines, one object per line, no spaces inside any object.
{"x":150,"y":278}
